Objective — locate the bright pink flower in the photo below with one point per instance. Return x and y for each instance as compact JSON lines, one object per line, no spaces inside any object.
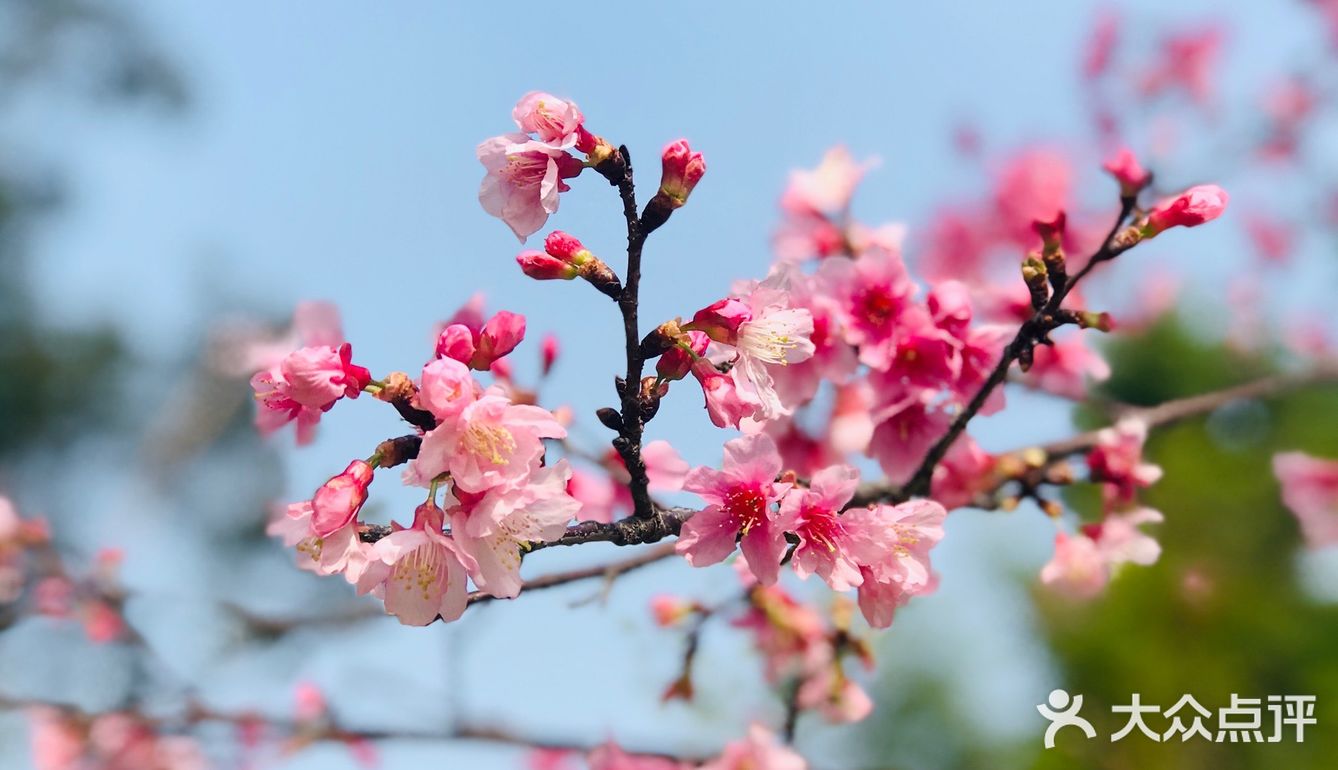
{"x":499,"y":336}
{"x":491,"y":442}
{"x":925,"y":355}
{"x":831,"y":545}
{"x":495,"y":528}
{"x":905,"y":429}
{"x":1310,"y":490}
{"x":729,"y":400}
{"x":342,"y":551}
{"x":964,"y":472}
{"x":1190,"y":208}
{"x":1065,"y":367}
{"x":1032,"y":185}
{"x":549,"y":353}
{"x":455,"y":341}
{"x":555,"y":121}
{"x":759,"y":751}
{"x":957,"y":243}
{"x":338,"y":500}
{"x":1077,"y":569}
{"x":908,"y":532}
{"x":419,"y":572}
{"x":875,"y":291}
{"x":542,"y":266}
{"x":721,"y":320}
{"x":682,"y":170}
{"x":740,"y":500}
{"x":675,"y":363}
{"x":522,"y":180}
{"x":566,"y":247}
{"x":1124,"y":166}
{"x":305,"y":384}
{"x":1117,"y":460}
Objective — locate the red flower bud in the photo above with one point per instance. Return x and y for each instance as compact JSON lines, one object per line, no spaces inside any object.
{"x":338,"y":500}
{"x":1191,"y":208}
{"x":1126,"y":170}
{"x":683,"y":169}
{"x":545,"y":267}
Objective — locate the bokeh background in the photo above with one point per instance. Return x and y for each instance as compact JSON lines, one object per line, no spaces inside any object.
{"x":172,"y":172}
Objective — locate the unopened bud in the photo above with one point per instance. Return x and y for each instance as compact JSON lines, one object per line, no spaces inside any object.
{"x":1100,"y":321}
{"x":609,"y":418}
{"x":652,"y":390}
{"x":566,"y":247}
{"x":1190,"y":208}
{"x":602,"y":277}
{"x":682,"y":170}
{"x":677,"y":362}
{"x":661,"y":338}
{"x":1127,"y":171}
{"x":1034,"y":274}
{"x":545,"y":267}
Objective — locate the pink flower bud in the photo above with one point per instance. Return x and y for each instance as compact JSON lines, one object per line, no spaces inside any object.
{"x":1126,"y":170}
{"x":549,"y":351}
{"x":676,"y":363}
{"x":668,"y":610}
{"x":500,"y":335}
{"x":456,"y":341}
{"x":566,"y":247}
{"x":721,"y":320}
{"x":1051,"y":231}
{"x":544,"y":267}
{"x":683,"y":169}
{"x":1191,"y":208}
{"x":338,"y":500}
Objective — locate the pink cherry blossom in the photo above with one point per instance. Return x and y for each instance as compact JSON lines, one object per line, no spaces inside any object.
{"x":340,"y":552}
{"x":833,"y":359}
{"x":682,"y":169}
{"x":1191,"y":208}
{"x":828,"y":188}
{"x":248,"y":350}
{"x":906,"y":427}
{"x":1124,"y":166}
{"x":908,"y":532}
{"x":875,"y":291}
{"x":1188,"y":62}
{"x":447,"y":387}
{"x":1033,"y":184}
{"x":338,"y":500}
{"x":522,"y":180}
{"x":306,"y":383}
{"x":789,"y":634}
{"x":553,"y":120}
{"x":759,"y":751}
{"x":740,"y":499}
{"x":491,"y":442}
{"x":831,"y":545}
{"x":1117,"y":460}
{"x":611,"y":757}
{"x":964,"y":472}
{"x":419,"y":572}
{"x":1120,"y":541}
{"x":835,"y":696}
{"x":1077,"y":569}
{"x":493,"y":529}
{"x":729,"y":399}
{"x":1065,"y":367}
{"x":1310,"y":490}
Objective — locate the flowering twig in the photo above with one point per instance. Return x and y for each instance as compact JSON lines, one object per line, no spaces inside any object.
{"x":1032,"y":332}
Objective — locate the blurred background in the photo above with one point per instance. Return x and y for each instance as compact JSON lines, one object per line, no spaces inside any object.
{"x":174,"y":176}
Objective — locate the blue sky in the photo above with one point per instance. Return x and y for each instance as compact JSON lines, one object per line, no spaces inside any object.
{"x":329,"y":154}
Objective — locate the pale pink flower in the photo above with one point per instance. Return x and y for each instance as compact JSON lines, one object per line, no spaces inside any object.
{"x":522,"y":180}
{"x":306,"y":383}
{"x":338,"y":500}
{"x":908,"y":531}
{"x":831,"y":545}
{"x":494,"y":528}
{"x":491,"y":442}
{"x":611,"y":757}
{"x":740,"y":499}
{"x":1191,"y":208}
{"x":759,"y":751}
{"x":1078,"y":568}
{"x":1065,"y":367}
{"x":729,"y":399}
{"x":247,"y":351}
{"x":419,"y":572}
{"x":340,"y":552}
{"x":835,"y":696}
{"x":1310,"y":490}
{"x":597,"y":494}
{"x":554,"y":120}
{"x":828,"y":188}
{"x":964,"y":471}
{"x":833,"y":359}
{"x":447,"y":387}
{"x":1120,"y":541}
{"x":790,"y":635}
{"x":1117,"y":460}
{"x":56,"y":741}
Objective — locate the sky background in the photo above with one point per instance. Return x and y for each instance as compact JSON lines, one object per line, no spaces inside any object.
{"x":329,"y":153}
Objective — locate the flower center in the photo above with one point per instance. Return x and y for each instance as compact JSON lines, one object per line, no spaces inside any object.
{"x":876,"y":306}
{"x":493,"y":442}
{"x":422,"y":570}
{"x":767,"y":343}
{"x":747,"y":506}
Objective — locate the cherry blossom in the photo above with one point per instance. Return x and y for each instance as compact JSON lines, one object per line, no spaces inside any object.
{"x":491,"y":442}
{"x":419,"y":572}
{"x":305,"y":384}
{"x":555,"y":121}
{"x":759,"y":751}
{"x":831,"y":545}
{"x":1117,"y":460}
{"x":909,"y":530}
{"x":522,"y":180}
{"x":1310,"y":490}
{"x":740,"y":499}
{"x":338,"y":500}
{"x":1191,"y":208}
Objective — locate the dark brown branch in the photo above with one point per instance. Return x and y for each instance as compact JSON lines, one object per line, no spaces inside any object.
{"x":607,"y":571}
{"x":1032,"y":331}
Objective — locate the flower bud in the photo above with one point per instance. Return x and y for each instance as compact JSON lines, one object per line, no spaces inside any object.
{"x":721,"y":320}
{"x":456,"y":341}
{"x":549,"y":353}
{"x":1034,"y":273}
{"x":566,"y":247}
{"x":1100,"y":321}
{"x":1126,"y":170}
{"x":544,"y":267}
{"x":682,"y":170}
{"x":1051,"y":231}
{"x":661,"y":338}
{"x":676,"y":363}
{"x":1191,"y":208}
{"x":499,"y":336}
{"x":338,"y":500}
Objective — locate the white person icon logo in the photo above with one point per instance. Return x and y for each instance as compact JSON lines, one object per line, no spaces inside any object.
{"x":1063,"y":712}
